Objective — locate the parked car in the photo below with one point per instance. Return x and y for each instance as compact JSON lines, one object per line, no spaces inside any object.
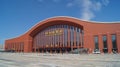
{"x":96,"y":51}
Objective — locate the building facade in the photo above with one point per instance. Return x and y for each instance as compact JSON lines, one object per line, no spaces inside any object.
{"x":64,"y":34}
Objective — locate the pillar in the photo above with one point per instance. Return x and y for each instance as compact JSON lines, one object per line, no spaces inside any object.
{"x":118,"y":42}
{"x":68,"y":37}
{"x":100,"y":41}
{"x":109,"y":42}
{"x":74,"y":37}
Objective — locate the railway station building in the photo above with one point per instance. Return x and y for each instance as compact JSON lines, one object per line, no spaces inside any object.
{"x":65,"y":34}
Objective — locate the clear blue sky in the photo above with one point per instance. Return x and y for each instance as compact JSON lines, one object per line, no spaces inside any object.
{"x":18,"y":16}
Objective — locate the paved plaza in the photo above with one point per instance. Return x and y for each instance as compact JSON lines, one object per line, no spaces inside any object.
{"x":58,"y":60}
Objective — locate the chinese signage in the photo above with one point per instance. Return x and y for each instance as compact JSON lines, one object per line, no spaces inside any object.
{"x":54,"y":32}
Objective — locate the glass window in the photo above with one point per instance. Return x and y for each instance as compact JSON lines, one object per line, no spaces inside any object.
{"x":105,"y":48}
{"x":96,"y":42}
{"x":54,"y":36}
{"x":114,"y":44}
{"x":105,"y":41}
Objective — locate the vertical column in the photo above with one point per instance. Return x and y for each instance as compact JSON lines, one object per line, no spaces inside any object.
{"x":50,"y":35}
{"x":58,"y":36}
{"x":68,"y":36}
{"x":118,"y":42}
{"x":43,"y":38}
{"x":49,"y":38}
{"x":53,"y":43}
{"x":35,"y":44}
{"x":75,"y":37}
{"x":41,"y":42}
{"x":9,"y":46}
{"x":109,"y":43}
{"x":15,"y":46}
{"x":40,"y":46}
{"x":55,"y":37}
{"x":63,"y":35}
{"x":80,"y":38}
{"x":18,"y":46}
{"x":22,"y":46}
{"x":57,"y":28}
{"x":38,"y":42}
{"x":71,"y":37}
{"x":100,"y":43}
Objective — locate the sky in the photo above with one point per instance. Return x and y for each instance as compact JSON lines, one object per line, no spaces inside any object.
{"x":18,"y":16}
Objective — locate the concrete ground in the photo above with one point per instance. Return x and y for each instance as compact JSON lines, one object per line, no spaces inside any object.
{"x":58,"y":60}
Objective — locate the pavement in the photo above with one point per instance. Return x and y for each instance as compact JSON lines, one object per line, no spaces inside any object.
{"x":58,"y":60}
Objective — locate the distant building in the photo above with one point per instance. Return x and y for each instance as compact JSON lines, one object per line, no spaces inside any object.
{"x":64,"y":34}
{"x":1,"y":48}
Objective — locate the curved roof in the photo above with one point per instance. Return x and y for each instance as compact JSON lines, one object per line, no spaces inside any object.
{"x":55,"y":21}
{"x":61,"y":20}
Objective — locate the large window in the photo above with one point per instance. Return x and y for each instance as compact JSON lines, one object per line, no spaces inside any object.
{"x":114,"y":42}
{"x":105,"y":48}
{"x":96,"y":43}
{"x":57,"y":36}
{"x":105,"y":41}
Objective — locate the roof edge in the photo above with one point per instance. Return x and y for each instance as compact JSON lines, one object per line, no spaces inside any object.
{"x":81,"y":19}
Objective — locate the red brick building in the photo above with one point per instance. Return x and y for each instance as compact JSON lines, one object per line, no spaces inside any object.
{"x":63,"y":34}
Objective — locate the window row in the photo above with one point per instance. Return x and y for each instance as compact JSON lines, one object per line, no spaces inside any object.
{"x":105,"y":43}
{"x":15,"y":46}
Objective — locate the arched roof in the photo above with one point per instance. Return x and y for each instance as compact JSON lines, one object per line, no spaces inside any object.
{"x":55,"y":21}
